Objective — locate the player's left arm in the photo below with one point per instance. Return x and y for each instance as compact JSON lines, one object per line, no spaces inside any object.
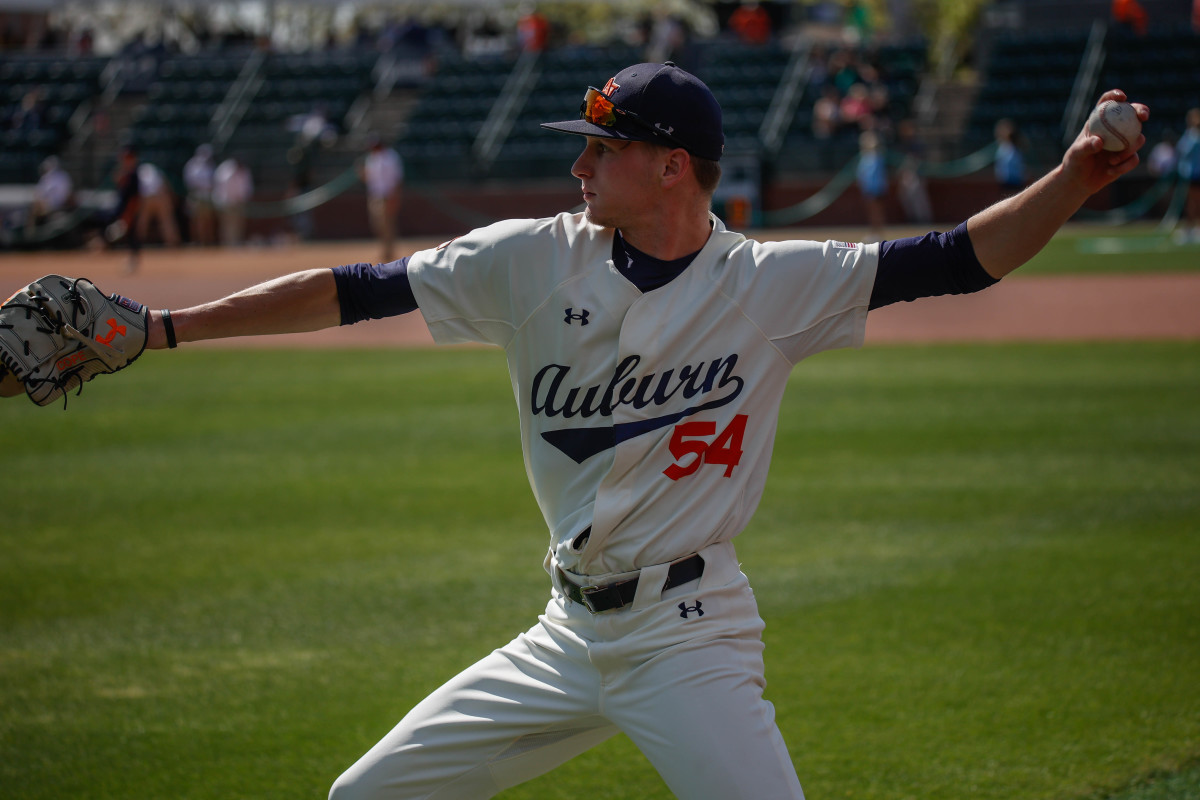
{"x":1009,"y":233}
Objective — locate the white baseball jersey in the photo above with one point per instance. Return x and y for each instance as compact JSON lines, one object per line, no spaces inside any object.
{"x":648,"y":418}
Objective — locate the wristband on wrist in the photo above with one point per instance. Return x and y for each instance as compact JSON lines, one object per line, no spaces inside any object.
{"x":169,"y":328}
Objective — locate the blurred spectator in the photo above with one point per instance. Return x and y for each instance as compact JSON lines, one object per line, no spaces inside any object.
{"x":483,"y":36}
{"x":751,"y":23}
{"x":859,"y":25}
{"x":121,"y":220}
{"x":198,"y":181}
{"x":855,"y":108}
{"x":30,"y":113}
{"x":910,"y":183}
{"x":871,"y":175}
{"x":843,"y":69}
{"x":533,"y":30}
{"x":668,"y":37}
{"x":1189,"y":171}
{"x":81,"y":42}
{"x":1162,"y":158}
{"x":233,"y":186}
{"x":1010,"y":162}
{"x":383,"y":173}
{"x":157,"y":205}
{"x":300,"y":220}
{"x":879,"y":99}
{"x":53,"y":194}
{"x":1129,"y":15}
{"x":818,"y":60}
{"x":313,"y":128}
{"x":827,"y":114}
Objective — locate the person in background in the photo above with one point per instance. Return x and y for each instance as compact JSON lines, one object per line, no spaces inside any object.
{"x":1189,"y":172}
{"x":533,"y":30}
{"x":910,"y":183}
{"x":233,"y":186}
{"x":198,"y":180}
{"x":1129,"y":15}
{"x":157,"y":205}
{"x":1010,"y":163}
{"x":120,"y":222}
{"x":383,"y":173}
{"x":1163,"y":158}
{"x":751,"y":23}
{"x":872,"y":180}
{"x":54,"y":193}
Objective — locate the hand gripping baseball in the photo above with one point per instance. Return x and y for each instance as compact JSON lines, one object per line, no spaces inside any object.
{"x":58,"y":333}
{"x":1090,"y":163}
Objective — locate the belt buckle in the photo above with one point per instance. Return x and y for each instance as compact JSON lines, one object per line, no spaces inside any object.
{"x":585,"y":597}
{"x":584,"y":594}
{"x":611,"y":590}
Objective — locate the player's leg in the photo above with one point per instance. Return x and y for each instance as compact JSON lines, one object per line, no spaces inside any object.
{"x":697,"y":711}
{"x":516,"y":714}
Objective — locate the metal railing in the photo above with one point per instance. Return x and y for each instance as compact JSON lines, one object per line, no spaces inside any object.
{"x":504,"y":111}
{"x":237,"y":100}
{"x":1080,"y":103}
{"x":787,"y":95}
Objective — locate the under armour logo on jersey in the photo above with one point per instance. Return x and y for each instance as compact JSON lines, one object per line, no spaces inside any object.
{"x":685,"y":609}
{"x":582,"y":316}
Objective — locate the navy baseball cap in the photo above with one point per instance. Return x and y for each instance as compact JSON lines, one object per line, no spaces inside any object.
{"x":652,"y":103}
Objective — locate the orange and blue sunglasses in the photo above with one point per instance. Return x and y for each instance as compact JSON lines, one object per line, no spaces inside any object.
{"x":598,"y":109}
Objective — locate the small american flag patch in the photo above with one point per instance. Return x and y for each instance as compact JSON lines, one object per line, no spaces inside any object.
{"x":846,"y":245}
{"x":132,"y":305}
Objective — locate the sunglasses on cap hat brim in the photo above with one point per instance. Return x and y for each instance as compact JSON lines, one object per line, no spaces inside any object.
{"x":612,"y":122}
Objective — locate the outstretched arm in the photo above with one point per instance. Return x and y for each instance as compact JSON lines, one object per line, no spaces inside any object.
{"x":302,"y":301}
{"x":1011,"y":232}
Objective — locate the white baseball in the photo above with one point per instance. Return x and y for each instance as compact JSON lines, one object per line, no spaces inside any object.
{"x":1116,"y":123}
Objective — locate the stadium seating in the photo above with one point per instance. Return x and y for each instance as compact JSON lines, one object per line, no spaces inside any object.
{"x":180,"y":105}
{"x":565,"y":75}
{"x":38,"y":96}
{"x":1161,"y":69}
{"x":1030,"y":76}
{"x":450,"y":111}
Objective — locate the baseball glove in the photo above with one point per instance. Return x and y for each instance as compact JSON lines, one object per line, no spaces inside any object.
{"x":58,"y":333}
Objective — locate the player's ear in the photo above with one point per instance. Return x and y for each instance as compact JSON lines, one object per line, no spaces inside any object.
{"x":675,"y":166}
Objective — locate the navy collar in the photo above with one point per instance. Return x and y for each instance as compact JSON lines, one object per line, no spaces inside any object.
{"x":646,"y":272}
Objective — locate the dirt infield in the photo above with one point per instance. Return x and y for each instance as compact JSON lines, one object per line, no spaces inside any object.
{"x":1039,"y":308}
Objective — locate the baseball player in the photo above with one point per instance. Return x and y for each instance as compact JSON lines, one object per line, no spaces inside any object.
{"x":649,"y":348}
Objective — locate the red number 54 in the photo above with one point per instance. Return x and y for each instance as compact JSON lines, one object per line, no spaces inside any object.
{"x":691,"y":448}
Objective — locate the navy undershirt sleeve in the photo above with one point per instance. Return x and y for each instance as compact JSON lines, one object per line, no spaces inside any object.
{"x":374,"y":291}
{"x":927,"y":266}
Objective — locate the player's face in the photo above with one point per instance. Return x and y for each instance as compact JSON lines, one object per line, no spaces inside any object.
{"x":618,"y":180}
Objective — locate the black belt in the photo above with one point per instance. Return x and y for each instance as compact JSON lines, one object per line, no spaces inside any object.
{"x":599,"y":599}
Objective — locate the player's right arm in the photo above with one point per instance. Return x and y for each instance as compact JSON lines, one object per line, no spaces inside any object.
{"x":302,"y":301}
{"x":1014,"y":230}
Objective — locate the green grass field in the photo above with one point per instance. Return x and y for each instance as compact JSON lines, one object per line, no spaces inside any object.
{"x":1139,"y":247}
{"x":226,"y":574}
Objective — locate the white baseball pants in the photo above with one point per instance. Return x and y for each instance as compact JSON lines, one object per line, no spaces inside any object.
{"x":680,"y":672}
